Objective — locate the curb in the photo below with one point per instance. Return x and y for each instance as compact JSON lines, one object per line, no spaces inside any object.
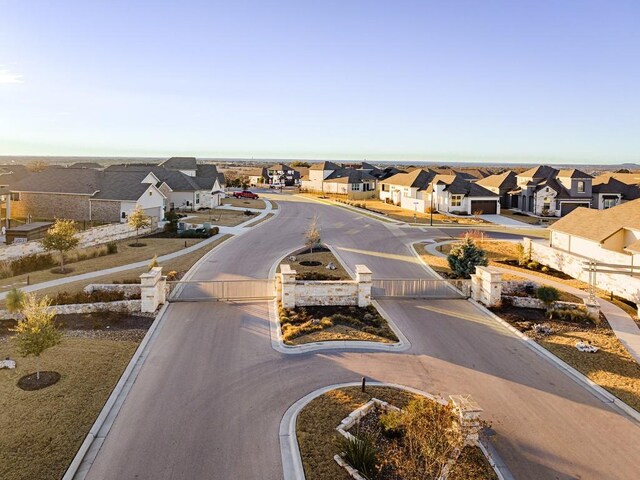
{"x":292,"y":468}
{"x":571,"y":372}
{"x":130,"y":373}
{"x":278,"y":344}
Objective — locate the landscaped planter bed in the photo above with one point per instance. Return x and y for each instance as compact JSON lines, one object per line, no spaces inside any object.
{"x":302,"y":325}
{"x":313,"y":265}
{"x":319,"y":440}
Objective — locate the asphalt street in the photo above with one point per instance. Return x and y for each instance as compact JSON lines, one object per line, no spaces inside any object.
{"x":208,"y":401}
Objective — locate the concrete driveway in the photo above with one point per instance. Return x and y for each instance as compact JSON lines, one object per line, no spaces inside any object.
{"x":209,"y":399}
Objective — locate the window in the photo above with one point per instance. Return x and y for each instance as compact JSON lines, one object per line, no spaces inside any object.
{"x":124,"y":215}
{"x":581,"y":186}
{"x":197,"y":198}
{"x":609,"y":202}
{"x":356,"y":187}
{"x":385,"y":187}
{"x":456,"y":200}
{"x":15,"y":196}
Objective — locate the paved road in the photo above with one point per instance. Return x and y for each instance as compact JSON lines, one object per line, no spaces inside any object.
{"x":209,"y":399}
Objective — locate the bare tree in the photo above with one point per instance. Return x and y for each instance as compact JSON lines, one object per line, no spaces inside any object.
{"x":312,"y":235}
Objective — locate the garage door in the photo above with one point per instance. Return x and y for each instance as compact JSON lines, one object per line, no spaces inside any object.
{"x":570,"y":207}
{"x":485,"y":206}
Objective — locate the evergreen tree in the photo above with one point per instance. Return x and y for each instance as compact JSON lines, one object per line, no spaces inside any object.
{"x":465,"y":257}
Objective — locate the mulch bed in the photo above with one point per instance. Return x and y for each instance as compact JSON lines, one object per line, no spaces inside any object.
{"x":31,"y":382}
{"x":59,"y":271}
{"x":107,"y":321}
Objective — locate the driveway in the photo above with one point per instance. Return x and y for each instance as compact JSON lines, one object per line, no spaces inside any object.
{"x":507,"y":221}
{"x":210,"y":396}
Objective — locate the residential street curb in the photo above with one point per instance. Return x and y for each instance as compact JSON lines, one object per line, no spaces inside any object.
{"x":292,"y":468}
{"x":571,"y":372}
{"x":81,"y":463}
{"x":278,"y":344}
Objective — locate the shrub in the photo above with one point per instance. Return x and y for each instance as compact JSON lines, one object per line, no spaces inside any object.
{"x":465,"y":257}
{"x":544,"y":269}
{"x":360,"y":452}
{"x":248,"y":213}
{"x":172,"y":275}
{"x":32,"y":263}
{"x":214,"y":231}
{"x":523,"y":258}
{"x":5,"y":269}
{"x":575,"y":315}
{"x":15,"y":299}
{"x":112,"y":247}
{"x":547,"y":295}
{"x":533,"y":265}
{"x":66,"y":298}
{"x":391,"y":423}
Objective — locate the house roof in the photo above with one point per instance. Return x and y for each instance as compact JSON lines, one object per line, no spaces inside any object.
{"x":206,"y":170}
{"x":280,"y":167}
{"x":460,"y":186}
{"x":634,"y":246}
{"x":180,"y":163}
{"x":387,"y":172}
{"x":324,"y":166}
{"x":86,"y":165}
{"x":418,"y":178}
{"x":348,"y":175}
{"x":598,"y":225}
{"x":105,"y":185}
{"x":604,"y":184}
{"x":628,"y":178}
{"x":176,"y":180}
{"x":502,"y":180}
{"x":572,"y":173}
{"x":541,"y":171}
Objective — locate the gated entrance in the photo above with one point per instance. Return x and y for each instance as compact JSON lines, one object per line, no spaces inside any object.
{"x":421,"y":288}
{"x":220,"y":290}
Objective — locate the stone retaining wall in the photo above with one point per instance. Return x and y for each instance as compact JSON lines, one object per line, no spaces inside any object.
{"x":121,"y":306}
{"x":623,"y":285}
{"x":532,"y":302}
{"x":128,"y":289}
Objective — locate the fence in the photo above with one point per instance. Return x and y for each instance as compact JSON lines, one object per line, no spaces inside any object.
{"x":207,"y":291}
{"x":421,"y":288}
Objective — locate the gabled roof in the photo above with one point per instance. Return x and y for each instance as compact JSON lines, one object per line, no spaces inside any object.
{"x":460,"y":186}
{"x":572,"y":173}
{"x":176,"y":180}
{"x":387,"y":172}
{"x":541,"y":171}
{"x":324,"y":166}
{"x":418,"y":178}
{"x":628,"y":178}
{"x":122,"y":185}
{"x":206,"y":170}
{"x":281,"y":167}
{"x":180,"y":163}
{"x":258,"y":172}
{"x":604,"y":184}
{"x":598,"y":225}
{"x":348,"y":175}
{"x":503,"y":180}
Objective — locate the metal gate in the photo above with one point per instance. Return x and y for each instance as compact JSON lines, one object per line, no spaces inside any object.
{"x":220,"y":290}
{"x":421,"y":288}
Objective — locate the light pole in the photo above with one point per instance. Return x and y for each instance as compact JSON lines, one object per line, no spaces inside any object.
{"x":415,"y":213}
{"x":431,"y":211}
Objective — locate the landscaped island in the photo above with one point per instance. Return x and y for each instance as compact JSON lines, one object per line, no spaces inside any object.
{"x":390,"y":443}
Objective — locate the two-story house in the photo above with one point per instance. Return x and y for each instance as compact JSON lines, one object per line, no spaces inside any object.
{"x":546,"y":191}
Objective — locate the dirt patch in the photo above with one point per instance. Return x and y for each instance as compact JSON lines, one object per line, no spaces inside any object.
{"x":313,"y":266}
{"x":59,"y":271}
{"x":31,"y":382}
{"x":137,"y":245}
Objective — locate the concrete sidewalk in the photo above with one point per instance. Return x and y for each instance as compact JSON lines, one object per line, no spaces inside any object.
{"x":237,"y":230}
{"x":621,"y":323}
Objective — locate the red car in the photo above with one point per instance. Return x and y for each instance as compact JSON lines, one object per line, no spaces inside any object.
{"x":245,"y":194}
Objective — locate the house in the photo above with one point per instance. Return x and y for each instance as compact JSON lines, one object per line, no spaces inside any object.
{"x":317,"y":174}
{"x":454,"y":194}
{"x":192,"y":188}
{"x":546,"y":191}
{"x":86,"y":194}
{"x":282,"y":173}
{"x":186,"y":165}
{"x":609,"y":190}
{"x":502,"y":184}
{"x":258,"y":176}
{"x":356,"y":184}
{"x":408,"y":189}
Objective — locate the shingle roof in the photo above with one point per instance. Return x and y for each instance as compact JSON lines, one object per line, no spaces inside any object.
{"x":180,"y":163}
{"x":122,"y":185}
{"x":348,"y":175}
{"x":85,"y":165}
{"x":572,"y":173}
{"x":418,"y":178}
{"x":598,"y":225}
{"x":541,"y":171}
{"x":280,"y":167}
{"x":177,"y":181}
{"x":628,"y":178}
{"x":503,"y":180}
{"x":460,"y":186}
{"x":604,"y":184}
{"x":324,"y":166}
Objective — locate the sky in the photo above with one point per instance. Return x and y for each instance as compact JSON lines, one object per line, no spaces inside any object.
{"x":400,"y":80}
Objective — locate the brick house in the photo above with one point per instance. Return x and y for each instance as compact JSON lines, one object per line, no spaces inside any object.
{"x":85,"y":194}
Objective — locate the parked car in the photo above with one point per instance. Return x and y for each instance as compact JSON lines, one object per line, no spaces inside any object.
{"x":245,"y":194}
{"x":276,"y":185}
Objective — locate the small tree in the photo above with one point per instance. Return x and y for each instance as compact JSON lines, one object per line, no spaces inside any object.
{"x":312,"y":234}
{"x":61,"y":237}
{"x":14,"y":300}
{"x":548,"y":295}
{"x":138,"y":219}
{"x":37,"y":332}
{"x":154,"y":262}
{"x":37,"y":166}
{"x":465,"y":257}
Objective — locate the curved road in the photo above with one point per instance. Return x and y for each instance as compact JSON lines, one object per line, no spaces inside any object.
{"x":209,"y":398}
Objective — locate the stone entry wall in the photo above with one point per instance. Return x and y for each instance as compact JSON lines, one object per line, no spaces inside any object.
{"x":295,"y":293}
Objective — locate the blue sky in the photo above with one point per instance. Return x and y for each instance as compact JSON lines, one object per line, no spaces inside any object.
{"x":406,"y":80}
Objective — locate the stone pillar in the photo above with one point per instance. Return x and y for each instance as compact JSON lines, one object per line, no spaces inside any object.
{"x":469,"y":414}
{"x":363,"y":279}
{"x":487,"y":286}
{"x":593,"y":308}
{"x":528,"y":248}
{"x":288,"y":285}
{"x":152,"y":289}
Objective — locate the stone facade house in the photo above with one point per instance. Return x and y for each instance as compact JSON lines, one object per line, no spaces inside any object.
{"x":546,"y":191}
{"x":453,"y":194}
{"x":500,"y":184}
{"x":613,"y":189}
